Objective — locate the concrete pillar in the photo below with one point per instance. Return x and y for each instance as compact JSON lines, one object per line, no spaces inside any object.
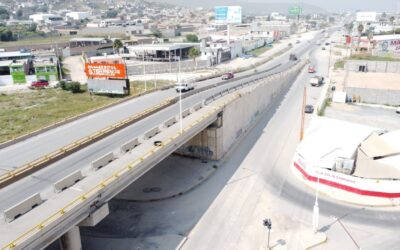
{"x":71,"y":240}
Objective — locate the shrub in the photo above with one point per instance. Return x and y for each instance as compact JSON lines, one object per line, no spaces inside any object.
{"x":74,"y":87}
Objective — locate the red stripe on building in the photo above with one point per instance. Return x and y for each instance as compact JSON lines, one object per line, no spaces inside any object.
{"x":345,"y":187}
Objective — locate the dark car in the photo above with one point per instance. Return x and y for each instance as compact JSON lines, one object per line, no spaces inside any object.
{"x":40,"y":84}
{"x":227,"y":76}
{"x":398,"y":110}
{"x":292,"y":57}
{"x":309,"y":109}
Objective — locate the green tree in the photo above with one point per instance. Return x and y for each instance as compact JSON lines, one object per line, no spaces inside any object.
{"x":193,"y":54}
{"x":360,"y":30}
{"x":349,"y":27}
{"x":19,"y":13}
{"x":156,"y":33}
{"x":192,"y":38}
{"x":6,"y":35}
{"x":111,"y":13}
{"x":117,"y":45}
{"x":4,"y":15}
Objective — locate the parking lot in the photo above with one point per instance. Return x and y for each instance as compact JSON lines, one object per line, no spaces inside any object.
{"x":379,"y":117}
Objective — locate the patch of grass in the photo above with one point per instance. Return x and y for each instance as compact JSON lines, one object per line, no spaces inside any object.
{"x":373,"y":58}
{"x":138,"y":87}
{"x":259,"y":51}
{"x":21,"y":113}
{"x":339,"y":46}
{"x":339,"y":64}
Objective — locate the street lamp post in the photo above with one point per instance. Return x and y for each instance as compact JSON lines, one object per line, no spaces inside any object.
{"x":180,"y":96}
{"x":329,"y":62}
{"x":268,"y":224}
{"x":316,"y":209}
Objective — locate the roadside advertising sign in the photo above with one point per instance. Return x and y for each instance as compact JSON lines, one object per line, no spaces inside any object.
{"x":228,"y":14}
{"x":101,"y":70}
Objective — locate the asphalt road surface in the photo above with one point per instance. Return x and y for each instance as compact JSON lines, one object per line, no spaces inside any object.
{"x":42,"y":180}
{"x":255,"y":182}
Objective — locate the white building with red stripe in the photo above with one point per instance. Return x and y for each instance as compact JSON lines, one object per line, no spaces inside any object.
{"x":350,"y":162}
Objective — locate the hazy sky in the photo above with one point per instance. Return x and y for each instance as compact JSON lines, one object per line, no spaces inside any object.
{"x":378,"y":5}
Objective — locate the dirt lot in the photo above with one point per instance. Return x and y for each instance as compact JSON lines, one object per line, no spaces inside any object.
{"x":379,"y":117}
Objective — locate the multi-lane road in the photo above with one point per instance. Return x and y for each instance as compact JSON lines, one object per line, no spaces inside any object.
{"x":30,"y":149}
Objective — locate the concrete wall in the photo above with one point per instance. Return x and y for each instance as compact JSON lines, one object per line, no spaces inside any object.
{"x":375,"y":96}
{"x":237,"y":117}
{"x":373,"y":66}
{"x":166,"y":67}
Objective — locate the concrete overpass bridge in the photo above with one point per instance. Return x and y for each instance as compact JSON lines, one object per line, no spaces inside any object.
{"x":80,"y":197}
{"x":74,"y":190}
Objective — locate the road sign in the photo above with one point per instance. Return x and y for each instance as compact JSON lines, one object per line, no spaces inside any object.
{"x":228,"y":14}
{"x":295,"y":10}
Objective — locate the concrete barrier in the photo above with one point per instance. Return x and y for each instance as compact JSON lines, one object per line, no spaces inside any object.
{"x":130,"y":145}
{"x":102,"y":161}
{"x":22,"y":207}
{"x":170,"y":122}
{"x":197,"y":106}
{"x":151,"y":133}
{"x":68,"y":181}
{"x":186,"y":112}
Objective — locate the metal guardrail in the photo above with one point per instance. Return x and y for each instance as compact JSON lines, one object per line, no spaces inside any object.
{"x":117,"y":174}
{"x":104,"y":183}
{"x":41,"y":162}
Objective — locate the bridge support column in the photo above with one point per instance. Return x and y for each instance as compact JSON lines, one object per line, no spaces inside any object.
{"x":71,"y":240}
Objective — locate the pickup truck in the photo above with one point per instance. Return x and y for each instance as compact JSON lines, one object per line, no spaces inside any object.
{"x":316,"y":81}
{"x":184,"y":86}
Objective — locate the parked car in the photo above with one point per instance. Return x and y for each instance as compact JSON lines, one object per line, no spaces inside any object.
{"x":311,"y":69}
{"x":227,"y":76}
{"x":39,"y":84}
{"x":323,"y":48}
{"x":290,"y":44}
{"x":297,"y":41}
{"x":398,"y":110}
{"x":309,"y":109}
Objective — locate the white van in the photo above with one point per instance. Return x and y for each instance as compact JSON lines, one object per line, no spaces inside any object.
{"x":184,"y":86}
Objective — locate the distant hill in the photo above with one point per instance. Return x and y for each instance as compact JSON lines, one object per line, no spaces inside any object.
{"x":249,"y":8}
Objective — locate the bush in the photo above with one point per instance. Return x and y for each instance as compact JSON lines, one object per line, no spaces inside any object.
{"x":74,"y":87}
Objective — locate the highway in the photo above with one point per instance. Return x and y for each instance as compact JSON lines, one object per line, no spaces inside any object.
{"x":264,"y":187}
{"x":32,"y":148}
{"x":47,"y":142}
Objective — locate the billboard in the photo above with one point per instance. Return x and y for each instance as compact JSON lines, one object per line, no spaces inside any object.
{"x":295,"y":10}
{"x":108,"y":86}
{"x":364,"y":16}
{"x":104,"y":70}
{"x":228,"y":14}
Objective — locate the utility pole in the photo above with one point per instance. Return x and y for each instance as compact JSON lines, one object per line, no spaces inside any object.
{"x":144,"y":73}
{"x":302,"y":113}
{"x":180,"y":97}
{"x":316,"y":209}
{"x":329,"y":62}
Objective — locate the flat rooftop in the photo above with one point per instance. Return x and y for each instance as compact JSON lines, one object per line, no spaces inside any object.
{"x":161,"y":46}
{"x":87,"y":39}
{"x":14,"y":54}
{"x":327,"y":139}
{"x":371,"y":80}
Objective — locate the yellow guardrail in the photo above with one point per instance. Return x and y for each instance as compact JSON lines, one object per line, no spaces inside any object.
{"x":48,"y":157}
{"x":104,"y":183}
{"x":92,"y":192}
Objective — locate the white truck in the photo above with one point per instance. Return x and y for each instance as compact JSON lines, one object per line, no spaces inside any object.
{"x":185,"y":85}
{"x":316,"y":81}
